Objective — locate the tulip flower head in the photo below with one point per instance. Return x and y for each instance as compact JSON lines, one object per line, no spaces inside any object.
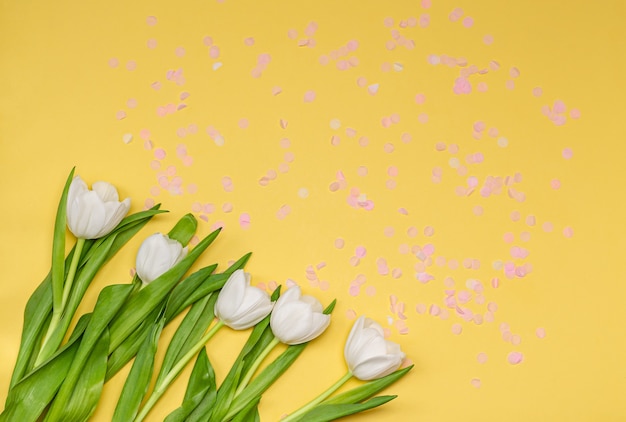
{"x":157,"y":254}
{"x":240,"y":305}
{"x":368,"y":355}
{"x":92,"y":214}
{"x":296,"y":318}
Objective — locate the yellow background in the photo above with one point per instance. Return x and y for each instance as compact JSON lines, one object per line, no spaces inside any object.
{"x":59,"y":104}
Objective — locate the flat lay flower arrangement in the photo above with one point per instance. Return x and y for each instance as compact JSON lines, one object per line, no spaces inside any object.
{"x":61,"y":367}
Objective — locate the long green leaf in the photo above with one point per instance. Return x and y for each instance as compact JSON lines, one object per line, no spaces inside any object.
{"x":138,"y":380}
{"x":265,"y":379}
{"x":109,"y":301}
{"x":330,"y":412}
{"x":368,"y":389}
{"x":249,"y":412}
{"x":147,"y":299}
{"x":29,"y":398}
{"x":201,"y":383}
{"x":82,"y":281}
{"x":188,"y":333}
{"x":58,"y":247}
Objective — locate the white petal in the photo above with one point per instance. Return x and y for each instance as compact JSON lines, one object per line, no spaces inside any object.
{"x":106,"y":191}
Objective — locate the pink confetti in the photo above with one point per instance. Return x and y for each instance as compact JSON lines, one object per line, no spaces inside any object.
{"x":120,"y":115}
{"x":244,"y":220}
{"x":309,"y":96}
{"x":567,"y":153}
{"x":151,"y":20}
{"x":457,"y":329}
{"x":515,"y":358}
{"x":476,"y":383}
{"x":540,"y":332}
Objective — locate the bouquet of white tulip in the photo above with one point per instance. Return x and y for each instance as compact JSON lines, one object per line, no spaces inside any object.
{"x":55,"y":379}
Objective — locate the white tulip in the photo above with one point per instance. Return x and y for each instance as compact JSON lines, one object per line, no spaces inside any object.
{"x":157,"y":254}
{"x":92,"y":214}
{"x":240,"y":305}
{"x":297,"y":319}
{"x":368,"y":355}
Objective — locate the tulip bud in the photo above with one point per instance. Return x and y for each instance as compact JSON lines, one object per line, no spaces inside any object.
{"x":297,"y":319}
{"x":368,"y":355}
{"x":157,"y":254}
{"x":240,"y":305}
{"x":92,"y":214}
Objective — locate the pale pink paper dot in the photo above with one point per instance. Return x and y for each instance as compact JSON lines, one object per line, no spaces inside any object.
{"x":363,"y":141}
{"x":537,"y":91}
{"x":120,"y":115}
{"x":396,"y":273}
{"x":147,"y":144}
{"x":547,"y":227}
{"x":392,"y":171}
{"x":309,"y":96}
{"x":488,"y":39}
{"x":515,"y":358}
{"x":342,"y":65}
{"x":424,"y":20}
{"x":389,"y":231}
{"x":227,"y":207}
{"x":555,"y":183}
{"x":574,"y":113}
{"x":181,"y":132}
{"x":159,"y":153}
{"x":361,"y":171}
{"x":214,"y":52}
{"x":468,"y":22}
{"x":388,"y":148}
{"x":531,"y":220}
{"x":354,"y":290}
{"x":478,"y":210}
{"x":510,"y":84}
{"x":422,"y":118}
{"x":568,"y":232}
{"x":434,"y":310}
{"x":207,"y":41}
{"x":388,"y":22}
{"x":385,"y":122}
{"x":420,"y":308}
{"x":155,"y":165}
{"x":515,"y":216}
{"x":412,"y":231}
{"x":567,"y":153}
{"x":151,"y":20}
{"x":540,"y":332}
{"x":370,"y":291}
{"x":482,"y":358}
{"x":508,"y":237}
{"x":249,"y":41}
{"x":283,"y":167}
{"x":243,"y":123}
{"x":360,"y":251}
{"x":391,"y":184}
{"x":457,"y":329}
{"x":395,"y":118}
{"x":131,"y":65}
{"x":179,"y":51}
{"x":516,"y":339}
{"x":420,"y":98}
{"x":289,"y":156}
{"x":482,"y":87}
{"x":559,"y":106}
{"x":170,"y":171}
{"x":192,"y":188}
{"x":152,"y":43}
{"x":244,"y":220}
{"x":292,"y":34}
{"x":114,"y":62}
{"x":187,"y":161}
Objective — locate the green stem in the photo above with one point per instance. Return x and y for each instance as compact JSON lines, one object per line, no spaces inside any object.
{"x":57,"y":312}
{"x":67,"y":287}
{"x":160,"y":389}
{"x":294,"y":416}
{"x":244,"y":382}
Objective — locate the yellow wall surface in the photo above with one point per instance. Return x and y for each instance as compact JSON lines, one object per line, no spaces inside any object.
{"x":451,"y":169}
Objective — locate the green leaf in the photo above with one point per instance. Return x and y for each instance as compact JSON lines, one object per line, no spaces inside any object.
{"x":265,"y":379}
{"x":189,"y":292}
{"x":139,"y":306}
{"x":188,"y":334}
{"x":367,"y":389}
{"x":201,"y":383}
{"x":88,"y":389}
{"x":82,"y":281}
{"x":139,"y":378}
{"x":184,"y":229}
{"x":28,"y":398}
{"x":58,"y":247}
{"x":330,"y":412}
{"x":130,"y":346}
{"x":109,"y":301}
{"x":249,"y":413}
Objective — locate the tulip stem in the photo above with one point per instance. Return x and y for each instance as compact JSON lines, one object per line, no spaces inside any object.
{"x":244,"y":382}
{"x":160,"y":389}
{"x":298,"y":413}
{"x":67,"y":287}
{"x":57,"y":311}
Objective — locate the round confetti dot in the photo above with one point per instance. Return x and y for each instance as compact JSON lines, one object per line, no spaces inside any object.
{"x":214,"y":52}
{"x":362,"y":171}
{"x":131,"y":65}
{"x":179,"y":51}
{"x":249,"y":41}
{"x":151,"y":20}
{"x":574,"y":113}
{"x":567,"y":153}
{"x":303,"y":193}
{"x":515,"y":216}
{"x":335,"y":124}
{"x":568,"y":232}
{"x":468,"y":22}
{"x":389,"y":231}
{"x":388,"y":148}
{"x":309,"y":96}
{"x":515,"y":358}
{"x":114,"y":62}
{"x":422,"y":118}
{"x":127,"y":138}
{"x":488,"y":39}
{"x":457,"y":329}
{"x":120,"y":115}
{"x":478,"y":210}
{"x":244,"y":220}
{"x":540,"y":332}
{"x":547,"y":227}
{"x":159,"y":154}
